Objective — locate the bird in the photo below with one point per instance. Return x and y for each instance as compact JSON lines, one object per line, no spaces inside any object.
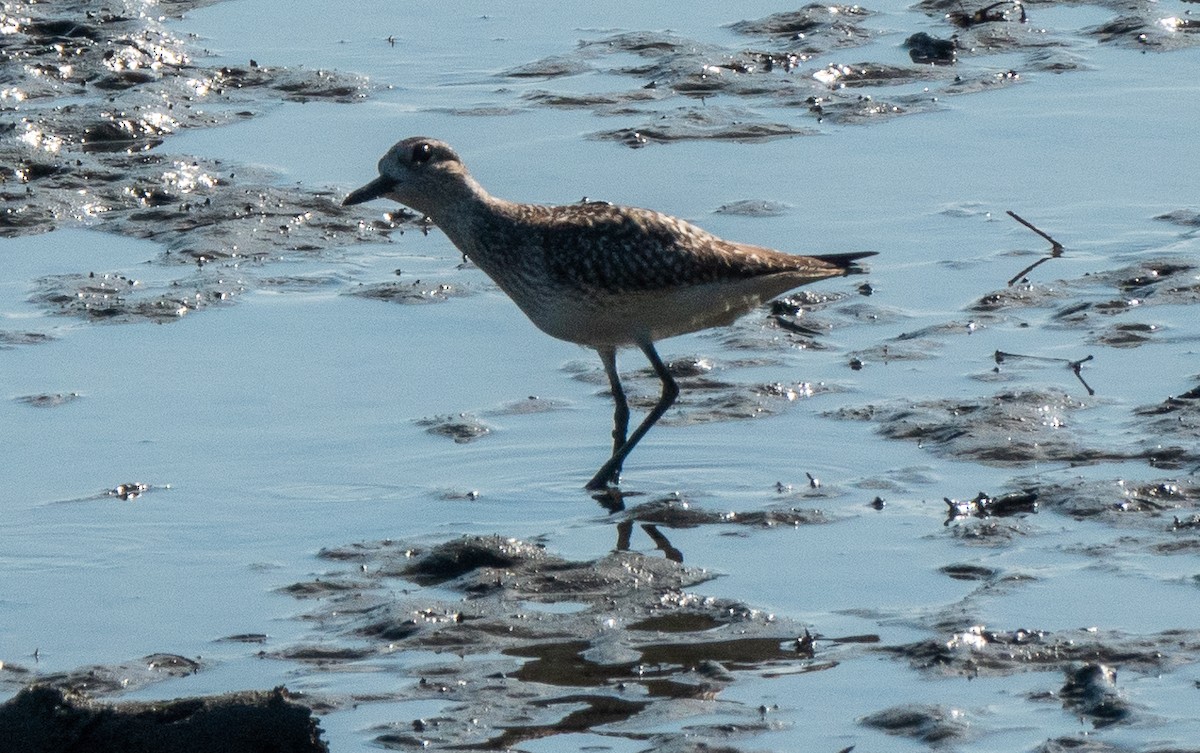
{"x":601,"y":275}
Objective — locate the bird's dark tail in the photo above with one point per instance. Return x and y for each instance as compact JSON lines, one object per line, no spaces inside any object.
{"x":847,"y":262}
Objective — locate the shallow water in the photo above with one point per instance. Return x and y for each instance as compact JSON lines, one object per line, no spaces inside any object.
{"x":285,"y":420}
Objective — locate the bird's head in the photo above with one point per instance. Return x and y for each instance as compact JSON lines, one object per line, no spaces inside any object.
{"x":419,"y":172}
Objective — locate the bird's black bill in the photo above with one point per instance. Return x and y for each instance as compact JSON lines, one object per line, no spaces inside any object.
{"x":372,"y":190}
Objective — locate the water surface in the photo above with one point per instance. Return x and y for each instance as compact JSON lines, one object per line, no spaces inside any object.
{"x":284,"y":420}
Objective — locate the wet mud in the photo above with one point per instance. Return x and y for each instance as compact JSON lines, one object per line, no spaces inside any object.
{"x":48,"y":399}
{"x":639,"y":601}
{"x":977,"y":651}
{"x":221,"y":225}
{"x":1015,"y":428}
{"x":88,"y":97}
{"x":536,"y":646}
{"x":933,"y":725}
{"x":1043,"y":412}
{"x":544,"y":646}
{"x":87,"y":100}
{"x":45,"y":719}
{"x":99,"y":680}
{"x":767,"y":88}
{"x":802,"y":321}
{"x":468,"y":427}
{"x":415,"y":292}
{"x":516,"y":643}
{"x":1079,"y":665}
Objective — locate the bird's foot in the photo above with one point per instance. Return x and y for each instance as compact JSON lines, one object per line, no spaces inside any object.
{"x":599,"y":484}
{"x":605,"y":478}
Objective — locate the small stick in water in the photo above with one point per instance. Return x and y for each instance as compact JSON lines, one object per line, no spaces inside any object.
{"x":1056,"y":248}
{"x":1075,"y":366}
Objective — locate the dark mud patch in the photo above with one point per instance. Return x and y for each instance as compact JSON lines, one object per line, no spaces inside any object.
{"x":736,"y":85}
{"x":1156,"y":517}
{"x":91,"y":99}
{"x":1149,"y":32}
{"x":415,"y":292}
{"x":546,"y":646}
{"x":1099,"y":295}
{"x":706,"y":397}
{"x":984,"y":505}
{"x":1090,"y":691}
{"x":218,"y":237}
{"x":529,"y":406}
{"x":857,"y":109}
{"x":691,"y":124}
{"x":117,"y":298}
{"x":926,"y":48}
{"x":754,"y":208}
{"x":48,"y":399}
{"x":679,"y":512}
{"x":1049,"y":416}
{"x":105,"y":679}
{"x":44,"y":719}
{"x":462,"y":428}
{"x":792,"y":27}
{"x":10,"y":338}
{"x":932,"y":725}
{"x":466,"y":427}
{"x":1009,"y":428}
{"x":884,"y":354}
{"x":1138,"y":25}
{"x":1127,"y":335}
{"x":755,"y":91}
{"x":720,"y":401}
{"x":1185,"y":217}
{"x":977,"y":651}
{"x":1015,"y":428}
{"x":1085,"y":659}
{"x":1023,"y":296}
{"x":125,"y":492}
{"x":989,"y":533}
{"x":552,"y":67}
{"x":1153,"y":505}
{"x":1177,"y":416}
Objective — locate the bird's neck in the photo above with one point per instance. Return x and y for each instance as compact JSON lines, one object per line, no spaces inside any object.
{"x":472,"y":218}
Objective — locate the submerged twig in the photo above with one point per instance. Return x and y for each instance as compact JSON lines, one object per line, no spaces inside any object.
{"x":1075,"y":366}
{"x":1056,"y":248}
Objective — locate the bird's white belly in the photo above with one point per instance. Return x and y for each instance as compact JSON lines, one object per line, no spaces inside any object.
{"x":614,"y":320}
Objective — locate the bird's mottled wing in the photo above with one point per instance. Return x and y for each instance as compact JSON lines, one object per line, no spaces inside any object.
{"x":602,"y":247}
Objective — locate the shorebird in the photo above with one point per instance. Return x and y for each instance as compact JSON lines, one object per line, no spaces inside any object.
{"x":597,"y":274}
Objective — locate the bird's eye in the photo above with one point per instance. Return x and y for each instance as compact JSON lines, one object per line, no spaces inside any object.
{"x":421,"y":153}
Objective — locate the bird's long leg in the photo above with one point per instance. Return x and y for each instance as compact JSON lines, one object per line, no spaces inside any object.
{"x":620,"y":405}
{"x":610,"y":472}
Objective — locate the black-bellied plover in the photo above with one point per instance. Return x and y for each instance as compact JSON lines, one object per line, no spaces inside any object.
{"x":594,"y":273}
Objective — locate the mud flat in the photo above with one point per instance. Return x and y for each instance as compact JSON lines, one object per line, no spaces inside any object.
{"x":952,"y":504}
{"x":42,"y":719}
